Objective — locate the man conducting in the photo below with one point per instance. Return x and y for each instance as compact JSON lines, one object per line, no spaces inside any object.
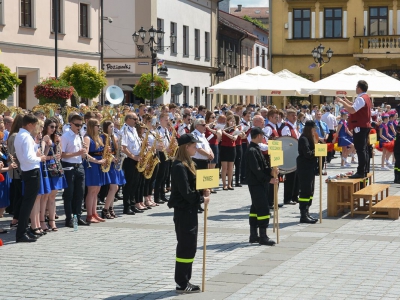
{"x":259,"y":175}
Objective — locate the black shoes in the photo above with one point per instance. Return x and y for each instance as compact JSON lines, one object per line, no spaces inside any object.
{"x":69,"y":223}
{"x":158,"y":201}
{"x":128,"y":211}
{"x":82,"y":223}
{"x":238,"y":184}
{"x":290,"y":202}
{"x":189,"y":288}
{"x":253,"y":235}
{"x":26,"y":239}
{"x":136,"y":210}
{"x":264,"y":239}
{"x":304,"y":217}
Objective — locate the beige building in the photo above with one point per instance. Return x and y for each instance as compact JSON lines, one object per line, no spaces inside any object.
{"x":27,"y":40}
{"x":191,"y":61}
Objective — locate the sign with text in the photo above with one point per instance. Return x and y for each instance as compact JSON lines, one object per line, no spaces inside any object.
{"x":119,"y":67}
{"x":321,"y":150}
{"x":372,"y":139}
{"x":276,"y":158}
{"x":274,"y":145}
{"x":208,"y":178}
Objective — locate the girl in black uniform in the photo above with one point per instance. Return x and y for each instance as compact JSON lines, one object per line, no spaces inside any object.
{"x":306,"y":161}
{"x":185,"y":199}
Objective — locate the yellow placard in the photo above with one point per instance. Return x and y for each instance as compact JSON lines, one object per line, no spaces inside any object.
{"x":276,"y":158}
{"x":372,"y":139}
{"x":208,"y":178}
{"x":274,"y":145}
{"x":321,"y":150}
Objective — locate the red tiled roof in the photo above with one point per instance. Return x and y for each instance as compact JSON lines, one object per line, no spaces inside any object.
{"x":253,"y":12}
{"x":236,"y":27}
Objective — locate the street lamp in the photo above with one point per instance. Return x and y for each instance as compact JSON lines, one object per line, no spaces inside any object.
{"x":317,"y":55}
{"x":153,"y":35}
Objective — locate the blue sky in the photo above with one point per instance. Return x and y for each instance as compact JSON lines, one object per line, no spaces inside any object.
{"x":250,"y":2}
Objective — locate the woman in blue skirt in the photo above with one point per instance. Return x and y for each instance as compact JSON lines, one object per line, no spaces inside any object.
{"x":345,"y":139}
{"x":57,"y":180}
{"x":94,"y":176}
{"x":116,"y":177}
{"x":43,"y":144}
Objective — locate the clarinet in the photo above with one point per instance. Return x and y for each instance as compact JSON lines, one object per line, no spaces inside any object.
{"x":60,"y":171}
{"x":44,"y":172}
{"x":87,"y":156}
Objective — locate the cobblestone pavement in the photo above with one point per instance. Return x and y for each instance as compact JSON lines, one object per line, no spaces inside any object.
{"x":132,"y":257}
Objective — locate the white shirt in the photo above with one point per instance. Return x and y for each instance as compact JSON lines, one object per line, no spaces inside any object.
{"x":263,"y":147}
{"x":268,"y":130}
{"x":70,"y":143}
{"x":203,"y":145}
{"x":286,"y":130}
{"x":181,"y":129}
{"x":164,"y":134}
{"x":83,"y":130}
{"x":359,"y":102}
{"x":130,"y":139}
{"x":66,"y":128}
{"x":25,"y":151}
{"x":308,"y":116}
{"x":330,"y":120}
{"x":60,"y":118}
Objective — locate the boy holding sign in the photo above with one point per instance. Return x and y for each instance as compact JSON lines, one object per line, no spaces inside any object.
{"x":306,"y":161}
{"x":259,"y":175}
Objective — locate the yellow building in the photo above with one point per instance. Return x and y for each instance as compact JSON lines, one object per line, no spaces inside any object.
{"x":364,"y":33}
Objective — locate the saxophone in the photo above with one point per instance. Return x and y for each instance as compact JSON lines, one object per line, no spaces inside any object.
{"x":119,"y":155}
{"x":143,"y":155}
{"x":152,"y":162}
{"x":173,"y":145}
{"x":107,"y":155}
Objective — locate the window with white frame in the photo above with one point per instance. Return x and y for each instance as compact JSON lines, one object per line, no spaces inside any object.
{"x":26,"y":13}
{"x":185,"y":35}
{"x":196,"y":96}
{"x":174,"y":31}
{"x":197,"y":43}
{"x":59,"y":16}
{"x":84,"y":20}
{"x":302,"y":23}
{"x":207,"y":45}
{"x":160,"y":25}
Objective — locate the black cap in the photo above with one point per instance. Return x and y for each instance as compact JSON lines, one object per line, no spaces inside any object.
{"x":256,"y":131}
{"x":304,"y":106}
{"x":310,"y":123}
{"x":186,"y":139}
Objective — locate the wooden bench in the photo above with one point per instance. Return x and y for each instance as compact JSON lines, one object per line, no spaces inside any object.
{"x":369,"y":195}
{"x":387,"y":208}
{"x":340,"y":192}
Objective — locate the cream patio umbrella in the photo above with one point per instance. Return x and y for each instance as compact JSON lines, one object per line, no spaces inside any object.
{"x":256,"y":82}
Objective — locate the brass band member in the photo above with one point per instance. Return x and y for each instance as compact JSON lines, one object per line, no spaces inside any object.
{"x":228,"y":152}
{"x":140,"y":129}
{"x":185,"y":200}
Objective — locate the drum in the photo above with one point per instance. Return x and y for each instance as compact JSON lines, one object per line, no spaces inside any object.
{"x":290,"y":153}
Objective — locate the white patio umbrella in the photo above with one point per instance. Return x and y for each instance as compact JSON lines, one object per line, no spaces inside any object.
{"x":255,"y":82}
{"x":296,"y":81}
{"x":344,"y":83}
{"x":384,"y":83}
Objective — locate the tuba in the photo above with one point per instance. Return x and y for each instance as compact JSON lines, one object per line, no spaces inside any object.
{"x":107,"y":155}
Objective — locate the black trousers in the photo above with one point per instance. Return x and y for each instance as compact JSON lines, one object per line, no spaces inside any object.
{"x":238,"y":163}
{"x":360,"y":144}
{"x":168,"y":175}
{"x":306,"y":186}
{"x":73,"y":193}
{"x":104,"y":191}
{"x":243,"y":163}
{"x":329,"y":140}
{"x":397,"y":165}
{"x":148,"y":183}
{"x":129,"y":191}
{"x":140,"y":189}
{"x":201,"y":164}
{"x":31,"y":189}
{"x":271,"y":194}
{"x":16,"y":197}
{"x":159,"y":185}
{"x":290,"y":187}
{"x":259,"y":209}
{"x":186,"y":227}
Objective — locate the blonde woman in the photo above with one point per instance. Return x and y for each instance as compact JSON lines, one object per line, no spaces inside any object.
{"x":228,"y":152}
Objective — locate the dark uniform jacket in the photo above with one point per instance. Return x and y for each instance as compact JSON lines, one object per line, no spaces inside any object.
{"x":306,"y":161}
{"x":396,"y":149}
{"x":183,"y":188}
{"x":258,"y":170}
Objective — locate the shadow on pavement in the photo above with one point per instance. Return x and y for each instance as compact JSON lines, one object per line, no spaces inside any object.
{"x":226,"y":247}
{"x":153,"y":295}
{"x":237,"y":210}
{"x":228,"y":217}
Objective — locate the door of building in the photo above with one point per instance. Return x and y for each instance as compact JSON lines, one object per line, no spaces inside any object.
{"x":22,"y":92}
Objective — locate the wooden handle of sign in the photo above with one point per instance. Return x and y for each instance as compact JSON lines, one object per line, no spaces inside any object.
{"x":320,"y":189}
{"x":373,"y":166}
{"x":276,"y":215}
{"x":203,"y":284}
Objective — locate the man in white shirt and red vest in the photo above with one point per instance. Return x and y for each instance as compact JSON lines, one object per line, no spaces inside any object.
{"x":291,"y":185}
{"x":360,"y":122}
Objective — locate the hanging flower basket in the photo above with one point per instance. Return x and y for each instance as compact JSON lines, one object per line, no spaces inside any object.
{"x":53,"y":90}
{"x":142,"y":88}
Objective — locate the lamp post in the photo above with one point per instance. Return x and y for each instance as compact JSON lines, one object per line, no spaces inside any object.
{"x":153,"y":34}
{"x":317,"y":55}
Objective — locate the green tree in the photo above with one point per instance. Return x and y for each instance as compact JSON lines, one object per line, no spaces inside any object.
{"x":8,"y":82}
{"x":142,"y":88}
{"x":256,"y":22}
{"x":85,"y":79}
